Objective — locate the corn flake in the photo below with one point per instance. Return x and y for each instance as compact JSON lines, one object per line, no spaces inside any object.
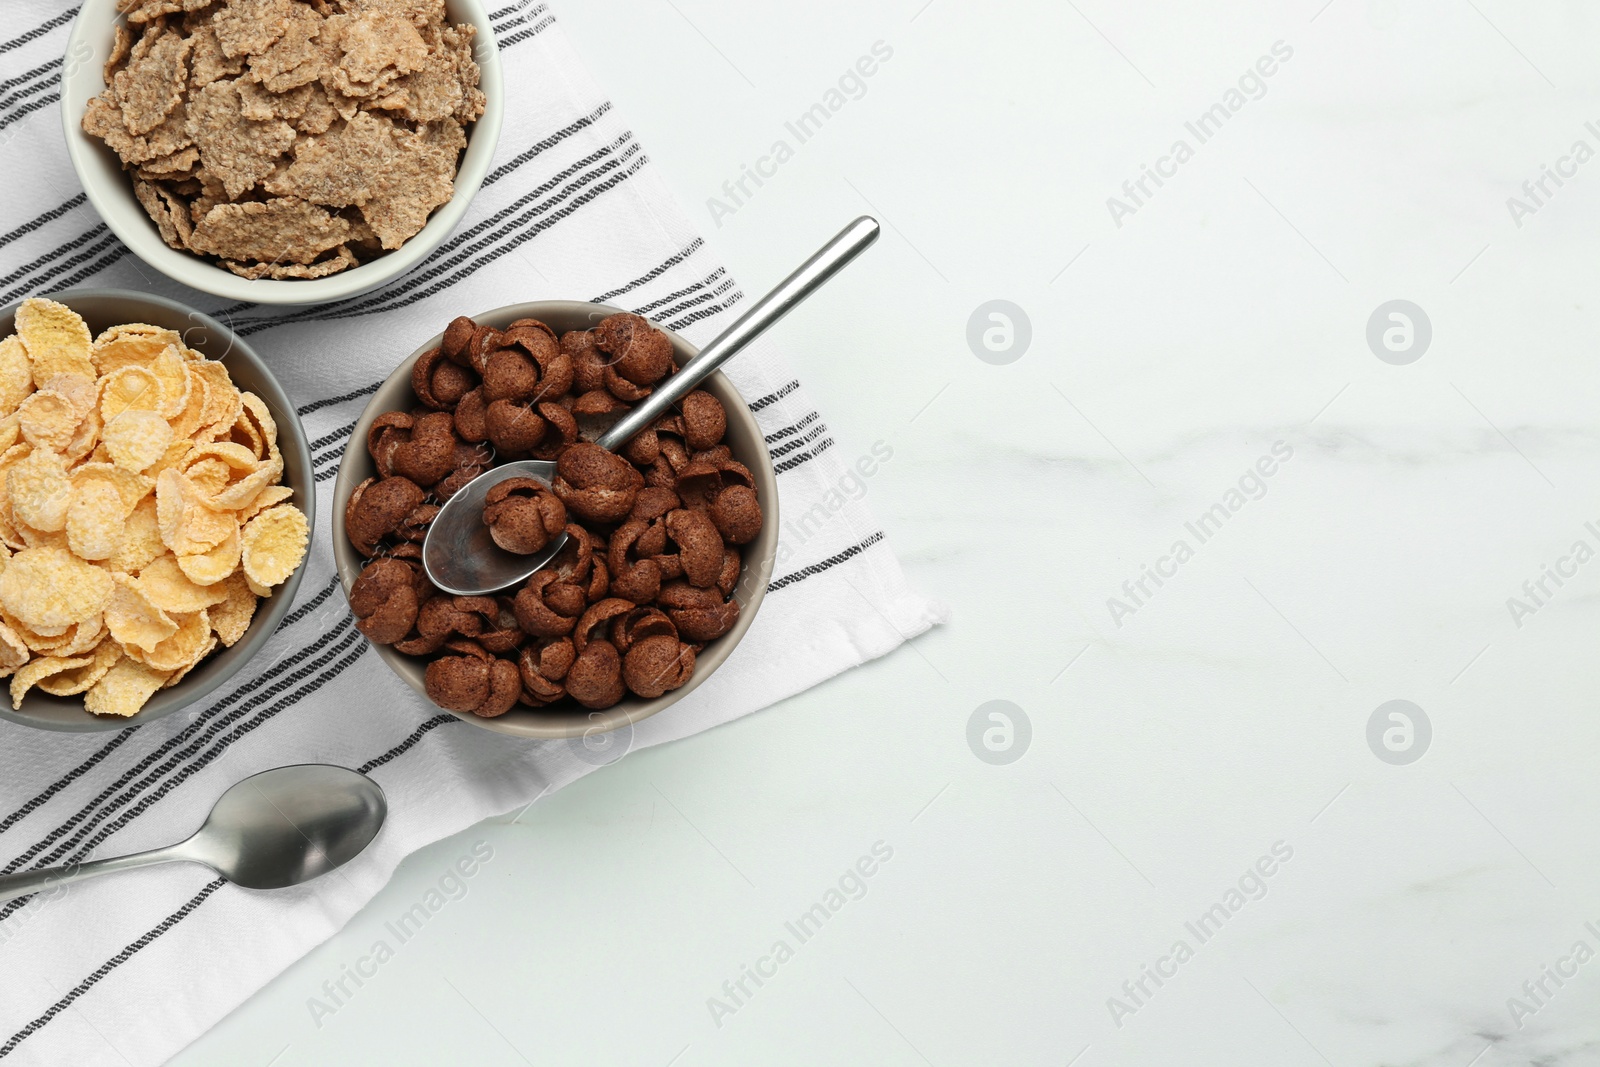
{"x":56,"y":339}
{"x":141,"y":540}
{"x":169,"y":588}
{"x":49,"y":420}
{"x":136,"y":440}
{"x":133,"y":619}
{"x":82,"y":637}
{"x":129,"y":389}
{"x":38,"y":643}
{"x":94,"y":519}
{"x":37,"y":670}
{"x":208,"y":476}
{"x":42,"y":538}
{"x":272,"y":494}
{"x":75,"y":680}
{"x":188,"y":521}
{"x":171,"y":370}
{"x":187,"y":421}
{"x":131,"y":488}
{"x":182,"y":649}
{"x":49,"y":589}
{"x":247,"y":435}
{"x":223,"y":402}
{"x":132,"y":345}
{"x":39,"y":490}
{"x":231,"y":618}
{"x":258,"y":423}
{"x":172,"y":460}
{"x":16,"y":374}
{"x":182,"y":673}
{"x":124,"y":689}
{"x":85,"y":439}
{"x":274,"y":544}
{"x":243,"y":476}
{"x":208,"y":568}
{"x":14,"y":652}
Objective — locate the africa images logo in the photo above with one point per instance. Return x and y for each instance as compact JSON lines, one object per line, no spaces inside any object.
{"x":1251,"y":85}
{"x":850,"y":85}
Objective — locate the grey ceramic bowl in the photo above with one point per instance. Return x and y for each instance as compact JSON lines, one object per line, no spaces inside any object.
{"x":744,"y":438}
{"x":102,"y":309}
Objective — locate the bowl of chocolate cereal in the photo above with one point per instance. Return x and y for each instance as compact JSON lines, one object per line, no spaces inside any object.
{"x":669,"y":541}
{"x":281,"y":151}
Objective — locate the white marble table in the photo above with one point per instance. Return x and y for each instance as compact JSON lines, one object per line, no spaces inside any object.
{"x":1198,"y":801}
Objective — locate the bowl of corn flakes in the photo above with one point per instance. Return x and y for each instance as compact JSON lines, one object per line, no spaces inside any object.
{"x":281,"y":151}
{"x":156,"y":500}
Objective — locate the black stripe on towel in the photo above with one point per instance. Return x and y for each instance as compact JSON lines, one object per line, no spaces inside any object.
{"x":49,"y":216}
{"x":831,"y":561}
{"x":318,"y":405}
{"x":108,"y":966}
{"x":405,"y":746}
{"x":40,"y":30}
{"x":772,"y":398}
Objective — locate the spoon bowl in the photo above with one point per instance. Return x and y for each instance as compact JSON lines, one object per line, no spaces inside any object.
{"x":289,"y":825}
{"x":462,"y":558}
{"x":272,"y":830}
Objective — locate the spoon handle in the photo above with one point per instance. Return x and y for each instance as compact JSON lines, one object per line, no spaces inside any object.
{"x":25,"y":883}
{"x":849,"y":243}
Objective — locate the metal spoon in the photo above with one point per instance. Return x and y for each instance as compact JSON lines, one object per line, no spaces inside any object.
{"x":274,"y":829}
{"x":458,"y":553}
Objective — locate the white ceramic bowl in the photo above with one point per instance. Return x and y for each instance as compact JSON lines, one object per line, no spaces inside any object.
{"x":110,"y":188}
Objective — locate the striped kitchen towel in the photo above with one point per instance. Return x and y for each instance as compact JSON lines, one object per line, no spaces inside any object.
{"x":131,"y":968}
